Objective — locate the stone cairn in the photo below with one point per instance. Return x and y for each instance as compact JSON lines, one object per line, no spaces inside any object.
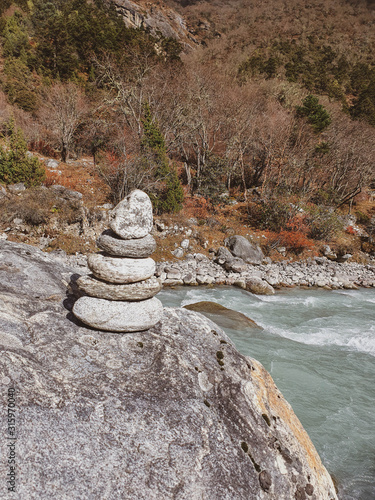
{"x":119,"y":295}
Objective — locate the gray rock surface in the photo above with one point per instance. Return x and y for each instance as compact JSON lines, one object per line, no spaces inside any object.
{"x":174,"y":413}
{"x":235,"y":265}
{"x":120,"y":270}
{"x":139,"y":248}
{"x":118,"y":316}
{"x":50,"y":163}
{"x":259,"y":286}
{"x":66,"y":193}
{"x":16,"y":188}
{"x":132,"y":291}
{"x":178,"y":252}
{"x":241,"y":247}
{"x":132,"y":217}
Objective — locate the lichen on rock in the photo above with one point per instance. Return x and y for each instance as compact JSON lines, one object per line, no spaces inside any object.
{"x":141,"y":416}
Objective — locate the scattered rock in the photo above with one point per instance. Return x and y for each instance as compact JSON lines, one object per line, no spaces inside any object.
{"x":16,"y":188}
{"x":259,"y":286}
{"x":241,"y":247}
{"x":223,"y":255}
{"x":66,"y":193}
{"x":52,"y":163}
{"x":178,"y":252}
{"x":235,"y":265}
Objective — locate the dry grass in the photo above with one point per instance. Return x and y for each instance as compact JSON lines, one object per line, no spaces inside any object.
{"x":81,"y":176}
{"x":72,"y":245}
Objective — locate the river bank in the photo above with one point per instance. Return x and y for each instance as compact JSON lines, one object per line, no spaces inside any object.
{"x":197,"y":269}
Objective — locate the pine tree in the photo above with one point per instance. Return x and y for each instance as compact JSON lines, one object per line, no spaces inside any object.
{"x":170,"y":197}
{"x":316,"y":114}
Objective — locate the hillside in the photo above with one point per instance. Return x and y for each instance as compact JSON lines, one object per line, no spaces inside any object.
{"x":261,"y":115}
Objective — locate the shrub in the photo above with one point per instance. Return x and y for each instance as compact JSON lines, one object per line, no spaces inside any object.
{"x":323,"y":223}
{"x":211,"y":183}
{"x":33,"y":207}
{"x":15,"y":163}
{"x":294,"y":241}
{"x":272,"y":214}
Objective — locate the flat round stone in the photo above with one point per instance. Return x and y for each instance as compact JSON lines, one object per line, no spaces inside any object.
{"x":132,"y":217}
{"x":139,"y":248}
{"x":115,"y":316}
{"x":132,"y":291}
{"x":120,"y":270}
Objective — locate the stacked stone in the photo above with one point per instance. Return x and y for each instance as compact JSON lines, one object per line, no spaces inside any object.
{"x":120,"y":292}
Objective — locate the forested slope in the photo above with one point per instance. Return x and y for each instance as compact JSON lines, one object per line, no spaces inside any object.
{"x":273,"y":103}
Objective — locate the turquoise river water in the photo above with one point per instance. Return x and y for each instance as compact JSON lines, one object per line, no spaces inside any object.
{"x":319,"y":347}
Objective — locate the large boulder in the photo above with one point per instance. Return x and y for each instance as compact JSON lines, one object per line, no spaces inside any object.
{"x":173,"y":413}
{"x":241,"y":247}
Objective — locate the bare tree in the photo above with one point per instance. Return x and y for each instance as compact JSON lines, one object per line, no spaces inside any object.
{"x":63,"y":112}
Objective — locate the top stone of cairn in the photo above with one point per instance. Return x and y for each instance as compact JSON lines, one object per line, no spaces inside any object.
{"x":132,"y":217}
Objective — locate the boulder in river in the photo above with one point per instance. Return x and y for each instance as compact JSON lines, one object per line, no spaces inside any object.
{"x":226,"y":318}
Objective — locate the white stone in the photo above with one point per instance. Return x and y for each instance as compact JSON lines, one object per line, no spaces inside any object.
{"x":120,"y":270}
{"x":115,"y":316}
{"x":132,"y":217}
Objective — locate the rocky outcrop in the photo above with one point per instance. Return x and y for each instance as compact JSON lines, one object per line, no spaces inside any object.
{"x":172,"y":413}
{"x":157,"y":17}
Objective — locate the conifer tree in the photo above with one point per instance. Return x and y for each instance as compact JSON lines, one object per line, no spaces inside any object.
{"x":169,"y":199}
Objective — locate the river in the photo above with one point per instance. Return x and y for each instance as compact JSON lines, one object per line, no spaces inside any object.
{"x":319,"y":347}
